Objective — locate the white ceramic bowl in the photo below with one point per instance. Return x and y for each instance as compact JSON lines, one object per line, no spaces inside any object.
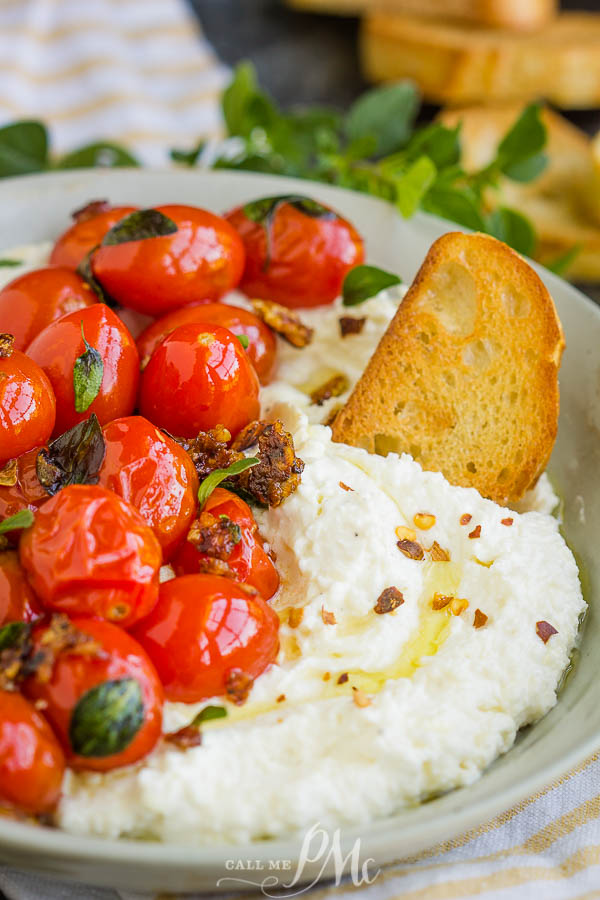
{"x":36,"y":208}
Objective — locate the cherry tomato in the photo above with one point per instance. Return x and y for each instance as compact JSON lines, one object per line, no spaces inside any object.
{"x":85,"y":234}
{"x":22,"y":490}
{"x":294,"y":257}
{"x":27,"y":403}
{"x":29,"y":303}
{"x":59,"y":345}
{"x":105,"y":706}
{"x":153,"y":473}
{"x":32,"y":763}
{"x":201,"y":261}
{"x":199,"y":377}
{"x":261,"y":340}
{"x":18,"y":603}
{"x":91,"y":553}
{"x":248,"y":558}
{"x":203,"y":631}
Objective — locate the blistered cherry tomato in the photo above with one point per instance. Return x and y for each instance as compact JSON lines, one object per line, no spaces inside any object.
{"x":205,"y":631}
{"x":104,"y":704}
{"x":29,"y":303}
{"x":21,"y":488}
{"x":247,"y":559}
{"x":201,"y":261}
{"x":294,"y":256}
{"x":27,"y":403}
{"x":145,"y":467}
{"x":59,"y":345}
{"x":261,"y":340}
{"x":91,"y":553}
{"x":32,"y":763}
{"x":85,"y":234}
{"x":18,"y":603}
{"x":199,"y":377}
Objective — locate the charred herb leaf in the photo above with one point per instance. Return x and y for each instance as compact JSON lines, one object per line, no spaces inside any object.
{"x":13,"y":635}
{"x":107,"y":718}
{"x":263,"y":212}
{"x":364,"y":282}
{"x":22,"y":519}
{"x":215,"y":478}
{"x":85,"y":270}
{"x":234,"y":529}
{"x":87,"y":376}
{"x":139,"y":226}
{"x":208,"y":713}
{"x":73,"y":458}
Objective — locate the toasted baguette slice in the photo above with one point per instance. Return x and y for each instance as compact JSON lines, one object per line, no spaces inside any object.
{"x":514,"y":14}
{"x":458,"y":64}
{"x":465,"y":377}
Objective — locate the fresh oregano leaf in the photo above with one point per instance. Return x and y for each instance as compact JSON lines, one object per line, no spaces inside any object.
{"x":215,"y":478}
{"x":13,"y":634}
{"x":413,"y":184}
{"x":525,"y":139}
{"x":139,"y":226}
{"x":245,"y":106}
{"x":455,"y":203}
{"x":560,"y":264}
{"x":385,"y":113}
{"x":107,"y":718}
{"x":510,"y":226}
{"x":364,"y":282}
{"x":73,"y":458}
{"x":22,"y":519}
{"x":101,"y":154}
{"x":208,"y":713}
{"x":10,"y":263}
{"x":23,"y":148}
{"x":527,"y":169}
{"x":88,"y":372}
{"x":188,"y":157}
{"x":244,"y":340}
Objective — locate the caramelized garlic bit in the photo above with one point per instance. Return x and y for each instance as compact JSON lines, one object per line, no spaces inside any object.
{"x":333,"y":387}
{"x":360,"y":698}
{"x":438,"y":554}
{"x":295,"y":616}
{"x":440,"y":601}
{"x":328,"y":617}
{"x":458,"y":605}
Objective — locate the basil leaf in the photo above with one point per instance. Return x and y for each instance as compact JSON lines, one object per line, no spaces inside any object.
{"x":561,"y":263}
{"x":514,"y":229}
{"x":23,"y":148}
{"x":208,"y":713}
{"x":13,"y":634}
{"x":139,"y":226}
{"x":413,"y":184}
{"x":102,"y":154}
{"x":364,"y":282}
{"x":244,"y":340}
{"x":107,"y":718}
{"x":22,"y":519}
{"x":73,"y":458}
{"x":215,"y":478}
{"x":526,"y":138}
{"x":10,"y":263}
{"x":88,"y":372}
{"x":385,"y":113}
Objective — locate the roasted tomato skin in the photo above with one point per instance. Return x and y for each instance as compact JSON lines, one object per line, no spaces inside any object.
{"x":73,"y":675}
{"x":203,"y":629}
{"x":153,"y":473}
{"x":27,"y":406}
{"x":201,"y":261}
{"x":90,"y":553}
{"x":32,"y":763}
{"x":197,"y":378}
{"x":59,"y":345}
{"x":34,"y":300}
{"x":26,"y":492}
{"x":248,"y":560}
{"x":262,"y":345}
{"x":308,"y":260}
{"x":77,"y":241}
{"x":18,"y":603}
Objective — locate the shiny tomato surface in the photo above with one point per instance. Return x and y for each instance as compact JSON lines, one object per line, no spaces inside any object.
{"x":91,"y":553}
{"x":27,"y":405}
{"x":34,"y":300}
{"x":248,"y":558}
{"x":297,"y":259}
{"x":18,"y":603}
{"x":203,"y":631}
{"x":118,"y":657}
{"x":153,"y":473}
{"x":32,"y":763}
{"x":201,"y":261}
{"x":85,"y":234}
{"x":59,"y":345}
{"x":23,"y":489}
{"x":197,"y":378}
{"x":261,"y":340}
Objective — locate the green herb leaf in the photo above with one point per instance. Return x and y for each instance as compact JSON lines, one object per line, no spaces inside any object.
{"x":514,"y":229}
{"x":386,"y":114}
{"x":364,"y":282}
{"x":244,"y":340}
{"x":188,"y":157}
{"x":245,"y":106}
{"x":10,"y":263}
{"x":139,"y":226}
{"x":528,"y":169}
{"x":413,"y":184}
{"x":23,"y":148}
{"x":85,"y":270}
{"x":235,"y":532}
{"x":263,"y":212}
{"x":107,"y":718}
{"x":102,"y":154}
{"x":88,"y":372}
{"x":455,"y":203}
{"x":13,"y":634}
{"x":22,"y":519}
{"x":526,"y":139}
{"x":215,"y":478}
{"x":562,"y":263}
{"x":73,"y":458}
{"x":208,"y":713}
{"x":439,"y":143}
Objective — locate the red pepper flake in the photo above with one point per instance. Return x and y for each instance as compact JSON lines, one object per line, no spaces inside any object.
{"x":328,"y":617}
{"x":351,"y":325}
{"x":345,"y":487}
{"x":506,"y":521}
{"x":412,"y":549}
{"x":545,"y":630}
{"x":187,"y":737}
{"x":475,"y":533}
{"x":465,"y":518}
{"x":326,"y":676}
{"x":440,"y":601}
{"x":343,"y":678}
{"x":238,"y":685}
{"x":479,"y":619}
{"x":439,"y":554}
{"x":389,"y":600}
{"x":281,"y":698}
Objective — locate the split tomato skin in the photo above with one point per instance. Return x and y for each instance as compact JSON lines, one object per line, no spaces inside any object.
{"x":27,"y":405}
{"x":34,"y":300}
{"x":25,"y":492}
{"x":201,"y":261}
{"x":57,"y":348}
{"x":89,"y":552}
{"x":203,"y":630}
{"x":18,"y":603}
{"x":305,"y":260}
{"x":197,"y":378}
{"x":32,"y":763}
{"x":153,"y":473}
{"x":262,"y":345}
{"x":73,"y":674}
{"x":77,"y":241}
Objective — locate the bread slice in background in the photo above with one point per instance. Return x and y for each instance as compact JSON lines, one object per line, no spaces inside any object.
{"x":460,"y":64}
{"x":514,"y":14}
{"x":465,"y":377}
